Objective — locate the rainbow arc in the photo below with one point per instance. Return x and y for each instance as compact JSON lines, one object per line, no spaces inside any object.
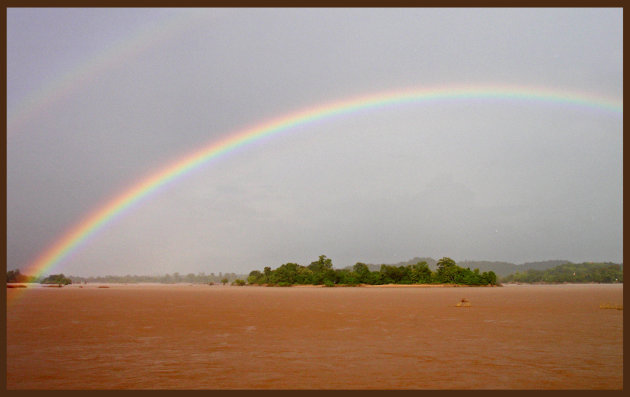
{"x":116,"y":206}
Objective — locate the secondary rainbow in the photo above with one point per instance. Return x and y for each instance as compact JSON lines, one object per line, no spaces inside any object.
{"x":152,"y":33}
{"x":115,"y":207}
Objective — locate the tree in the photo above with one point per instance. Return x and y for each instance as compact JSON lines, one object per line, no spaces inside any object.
{"x":362,"y":272}
{"x":286,"y":274}
{"x":304,"y":275}
{"x":489,"y":277}
{"x":224,"y":281}
{"x":446,"y":270}
{"x":14,"y":276}
{"x":420,"y":273}
{"x":322,"y":270}
{"x":391,"y":274}
{"x":446,"y":263}
{"x":267,"y":274}
{"x":255,"y":277}
{"x":56,"y":279}
{"x":321,"y":265}
{"x":346,"y":277}
{"x":405,"y":274}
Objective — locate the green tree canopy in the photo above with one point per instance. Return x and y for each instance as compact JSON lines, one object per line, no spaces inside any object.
{"x":446,"y":270}
{"x":56,"y":279}
{"x":321,"y":272}
{"x":321,"y":265}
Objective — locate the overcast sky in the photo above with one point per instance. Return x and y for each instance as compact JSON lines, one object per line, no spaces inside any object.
{"x":97,"y":99}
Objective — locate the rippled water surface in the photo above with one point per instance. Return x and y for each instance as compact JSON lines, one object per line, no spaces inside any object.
{"x":216,"y":337}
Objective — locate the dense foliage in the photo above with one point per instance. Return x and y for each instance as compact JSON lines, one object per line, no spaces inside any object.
{"x":321,"y":272}
{"x":571,"y":273}
{"x":56,"y":279}
{"x":501,"y":269}
{"x":14,"y":276}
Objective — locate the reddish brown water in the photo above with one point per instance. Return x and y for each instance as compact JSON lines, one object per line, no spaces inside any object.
{"x":214,"y":337}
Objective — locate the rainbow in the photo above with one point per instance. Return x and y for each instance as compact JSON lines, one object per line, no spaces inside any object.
{"x":88,"y":226}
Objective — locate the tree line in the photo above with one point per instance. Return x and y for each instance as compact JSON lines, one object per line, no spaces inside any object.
{"x":321,"y":272}
{"x":14,"y":276}
{"x":571,"y":273}
{"x":192,"y":278}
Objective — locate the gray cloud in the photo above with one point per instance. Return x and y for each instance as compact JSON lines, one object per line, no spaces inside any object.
{"x":495,"y":180}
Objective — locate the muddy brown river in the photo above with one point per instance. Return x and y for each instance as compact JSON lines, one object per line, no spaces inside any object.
{"x":224,"y":337}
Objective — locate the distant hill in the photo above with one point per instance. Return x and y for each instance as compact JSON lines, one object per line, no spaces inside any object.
{"x":501,"y":269}
{"x":541,"y":265}
{"x":587,"y":272}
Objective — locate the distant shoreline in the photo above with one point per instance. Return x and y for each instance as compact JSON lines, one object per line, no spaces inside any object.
{"x":181,"y":285}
